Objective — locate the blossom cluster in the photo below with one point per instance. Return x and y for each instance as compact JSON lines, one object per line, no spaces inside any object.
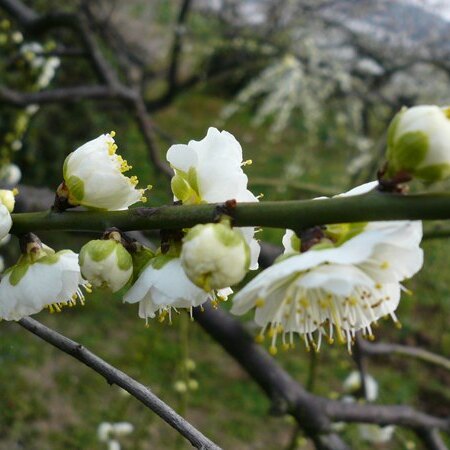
{"x":332,"y":280}
{"x":345,"y":282}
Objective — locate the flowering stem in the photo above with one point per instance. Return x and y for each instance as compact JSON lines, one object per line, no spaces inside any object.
{"x":296,"y":214}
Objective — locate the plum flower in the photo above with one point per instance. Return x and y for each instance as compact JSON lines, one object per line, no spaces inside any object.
{"x":210,"y":171}
{"x":41,"y":279}
{"x":94,"y":177}
{"x":7,"y":203}
{"x":344,"y":283}
{"x":419,"y":142}
{"x":214,"y":256}
{"x":163,"y":285}
{"x":352,"y":385}
{"x":106,"y":263}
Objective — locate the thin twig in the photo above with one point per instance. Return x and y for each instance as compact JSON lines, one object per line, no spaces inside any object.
{"x":384,"y":348}
{"x":431,"y":439}
{"x":116,"y":376}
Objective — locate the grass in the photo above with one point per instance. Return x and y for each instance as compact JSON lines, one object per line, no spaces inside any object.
{"x":49,"y":401}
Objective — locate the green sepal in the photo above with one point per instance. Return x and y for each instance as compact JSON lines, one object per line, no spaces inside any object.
{"x":409,"y":151}
{"x":158,"y":262}
{"x":342,"y":232}
{"x":141,"y":258}
{"x":124,"y":259}
{"x":392,"y":130}
{"x":296,"y":242}
{"x":75,"y":185}
{"x":185,"y":188}
{"x":432,"y":173}
{"x":17,"y":272}
{"x":97,"y":249}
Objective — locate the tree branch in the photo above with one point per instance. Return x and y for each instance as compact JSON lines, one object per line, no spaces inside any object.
{"x":177,"y":45}
{"x":66,"y":95}
{"x":431,"y":439}
{"x":297,"y":214}
{"x":384,"y":348}
{"x":286,"y":395}
{"x":313,"y":413}
{"x":115,"y":376}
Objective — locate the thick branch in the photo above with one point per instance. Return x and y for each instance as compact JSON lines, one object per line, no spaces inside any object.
{"x":115,"y":376}
{"x":297,"y":214}
{"x":19,"y":11}
{"x":286,"y":395}
{"x":313,"y":413}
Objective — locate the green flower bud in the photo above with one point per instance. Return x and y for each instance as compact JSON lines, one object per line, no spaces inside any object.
{"x":106,"y":263}
{"x":419,"y":143}
{"x":215,"y":256}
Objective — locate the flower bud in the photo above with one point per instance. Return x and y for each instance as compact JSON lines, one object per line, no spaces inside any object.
{"x":106,"y":263}
{"x":5,"y":221}
{"x":94,"y":176}
{"x":419,"y":143}
{"x":214,"y":256}
{"x":180,"y":387}
{"x":7,"y":199}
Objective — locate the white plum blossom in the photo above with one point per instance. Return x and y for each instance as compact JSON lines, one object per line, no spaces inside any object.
{"x":106,"y":263}
{"x":34,"y":53}
{"x":352,"y":384}
{"x":10,"y":174}
{"x":163,"y":285}
{"x":93,"y":177}
{"x":5,"y":221}
{"x":110,"y":432}
{"x":7,"y":203}
{"x":345,"y":283}
{"x":210,"y":171}
{"x":419,"y":143}
{"x":368,"y":432}
{"x":215,"y":256}
{"x":373,"y":433}
{"x":42,"y":279}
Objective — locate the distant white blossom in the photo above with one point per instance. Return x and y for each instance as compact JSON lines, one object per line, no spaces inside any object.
{"x":373,"y":433}
{"x":353,"y":384}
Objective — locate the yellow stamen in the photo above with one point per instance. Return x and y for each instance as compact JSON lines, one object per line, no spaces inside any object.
{"x":260,"y":302}
{"x":259,"y":338}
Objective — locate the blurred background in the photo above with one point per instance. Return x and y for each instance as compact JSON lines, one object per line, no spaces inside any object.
{"x":308,"y":88}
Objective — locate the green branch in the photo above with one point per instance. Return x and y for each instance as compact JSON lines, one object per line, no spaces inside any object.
{"x":298,"y":214}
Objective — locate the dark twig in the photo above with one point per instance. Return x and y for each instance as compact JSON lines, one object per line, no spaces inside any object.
{"x":359,"y":358}
{"x":431,"y":439}
{"x":115,"y":376}
{"x":385,"y":348}
{"x":177,"y":45}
